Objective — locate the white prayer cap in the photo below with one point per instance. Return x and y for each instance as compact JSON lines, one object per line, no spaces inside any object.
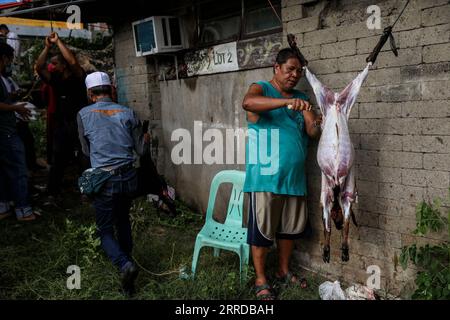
{"x":96,"y":79}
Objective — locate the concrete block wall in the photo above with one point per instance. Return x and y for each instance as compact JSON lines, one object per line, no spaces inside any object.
{"x":400,"y":126}
{"x":138,"y":85}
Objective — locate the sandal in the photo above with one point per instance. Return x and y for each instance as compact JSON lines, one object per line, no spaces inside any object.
{"x":264,"y":296}
{"x":31,"y":217}
{"x":5,"y":215}
{"x":287,"y":280}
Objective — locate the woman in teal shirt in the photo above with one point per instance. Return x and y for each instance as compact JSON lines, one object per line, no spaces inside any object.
{"x":280,"y":121}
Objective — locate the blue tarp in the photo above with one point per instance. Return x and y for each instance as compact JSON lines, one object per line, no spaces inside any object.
{"x":9,"y":3}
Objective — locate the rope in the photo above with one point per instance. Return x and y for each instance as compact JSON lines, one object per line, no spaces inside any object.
{"x":162,"y":273}
{"x":275,"y":11}
{"x":387,"y":34}
{"x":407,"y":2}
{"x":155,"y":274}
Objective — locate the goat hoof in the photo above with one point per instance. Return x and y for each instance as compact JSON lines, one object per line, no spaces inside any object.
{"x":326,"y":254}
{"x":345,"y":254}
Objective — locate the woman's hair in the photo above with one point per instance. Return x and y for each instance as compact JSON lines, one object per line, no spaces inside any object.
{"x":285,"y":54}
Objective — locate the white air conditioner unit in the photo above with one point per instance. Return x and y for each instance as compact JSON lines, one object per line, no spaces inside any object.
{"x":157,"y":34}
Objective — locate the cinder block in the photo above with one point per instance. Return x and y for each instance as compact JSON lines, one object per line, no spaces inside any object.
{"x":367,"y":188}
{"x":395,"y":159}
{"x":380,"y":110}
{"x":402,"y":92}
{"x":435,"y":179}
{"x":406,"y":57}
{"x":365,"y":126}
{"x":337,"y":80}
{"x":431,"y":144}
{"x":426,"y":109}
{"x":422,"y":36}
{"x":436,"y":34}
{"x":401,"y":126}
{"x":303,"y":25}
{"x":436,"y":15}
{"x":292,"y":13}
{"x":384,"y":206}
{"x":324,"y":66}
{"x":436,"y":53}
{"x":436,"y":90}
{"x":338,"y":49}
{"x":393,"y":191}
{"x":383,"y":76}
{"x":426,"y":72}
{"x":366,"y":45}
{"x":311,"y":53}
{"x":356,"y":31}
{"x":435,"y":193}
{"x":382,"y":142}
{"x":366,"y":219}
{"x":436,"y":162}
{"x":313,"y":38}
{"x":397,"y":224}
{"x":410,"y":19}
{"x":378,"y":174}
{"x":352,"y":63}
{"x":436,"y":126}
{"x":288,"y":3}
{"x":423,"y":4}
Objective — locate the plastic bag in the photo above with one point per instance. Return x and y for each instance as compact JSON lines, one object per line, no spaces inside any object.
{"x":359,"y":292}
{"x":33,"y":112}
{"x":331,"y":291}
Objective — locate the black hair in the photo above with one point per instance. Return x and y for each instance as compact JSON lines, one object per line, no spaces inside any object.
{"x":285,"y":54}
{"x":101,"y":90}
{"x":60,"y":58}
{"x":4,"y":27}
{"x":6,"y":50}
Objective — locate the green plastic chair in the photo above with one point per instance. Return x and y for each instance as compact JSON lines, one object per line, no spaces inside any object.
{"x":230,"y":235}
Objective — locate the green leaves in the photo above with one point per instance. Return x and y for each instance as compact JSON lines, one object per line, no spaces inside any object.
{"x":432,"y":261}
{"x":84,"y":239}
{"x":429,"y":218}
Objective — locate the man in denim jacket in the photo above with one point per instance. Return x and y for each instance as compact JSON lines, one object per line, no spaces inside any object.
{"x":108,"y":134}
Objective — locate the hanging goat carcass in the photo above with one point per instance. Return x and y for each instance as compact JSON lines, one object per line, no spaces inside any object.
{"x":336,"y":153}
{"x":335,"y":156}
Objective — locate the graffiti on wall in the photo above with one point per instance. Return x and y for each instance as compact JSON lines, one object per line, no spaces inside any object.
{"x":258,"y":52}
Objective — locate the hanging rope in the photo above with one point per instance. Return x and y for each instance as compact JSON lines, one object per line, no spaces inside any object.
{"x":407,"y":2}
{"x":387,"y":34}
{"x":275,"y":11}
{"x":51,"y":20}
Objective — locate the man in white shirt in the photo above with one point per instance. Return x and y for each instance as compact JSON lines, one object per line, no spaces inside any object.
{"x":11,"y":38}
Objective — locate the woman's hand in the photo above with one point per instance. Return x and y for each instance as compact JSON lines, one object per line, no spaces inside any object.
{"x":299,"y":105}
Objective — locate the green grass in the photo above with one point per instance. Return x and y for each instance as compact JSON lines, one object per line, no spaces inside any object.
{"x":38,"y":129}
{"x":35,"y":257}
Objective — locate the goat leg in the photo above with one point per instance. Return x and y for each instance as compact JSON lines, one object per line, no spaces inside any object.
{"x":345,"y":250}
{"x":348,"y":197}
{"x":326,"y":197}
